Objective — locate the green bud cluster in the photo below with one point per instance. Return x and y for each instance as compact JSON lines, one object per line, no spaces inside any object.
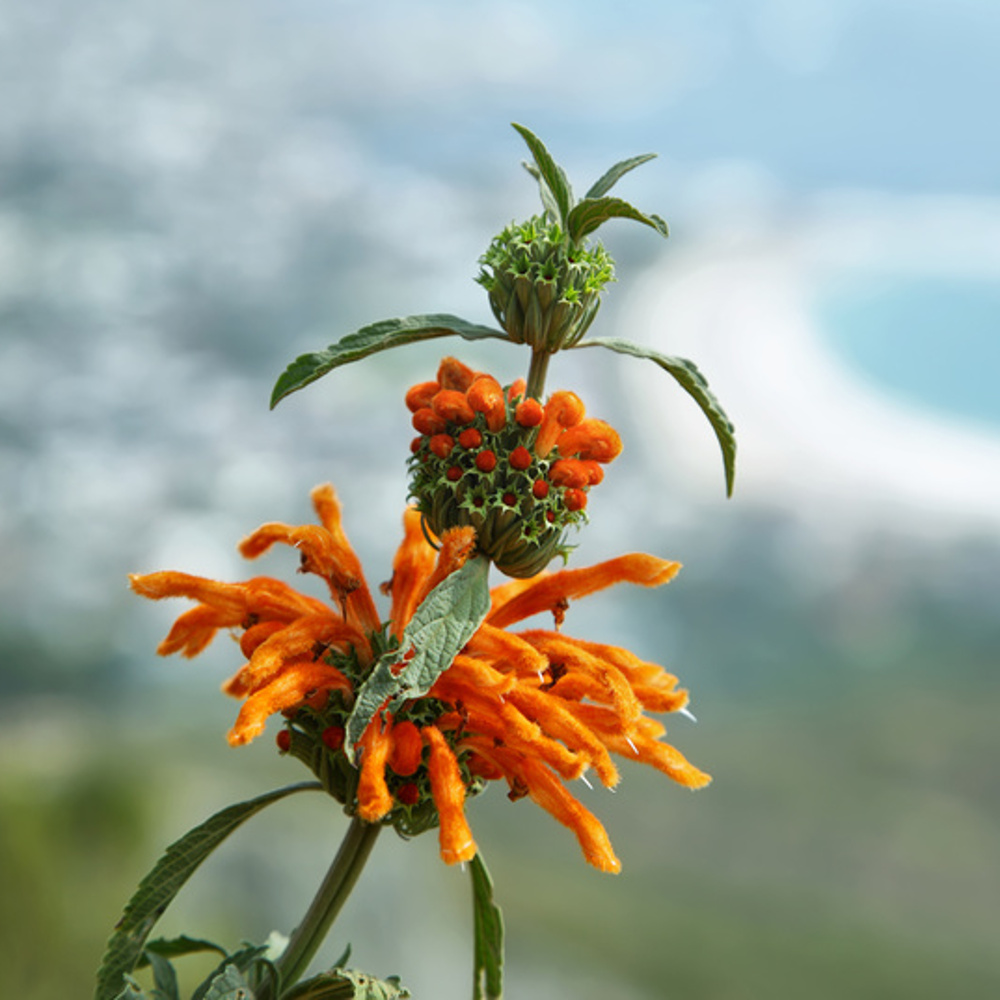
{"x":544,"y":289}
{"x":519,"y":515}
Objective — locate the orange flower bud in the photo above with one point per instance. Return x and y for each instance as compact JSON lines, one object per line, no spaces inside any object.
{"x":442,"y":445}
{"x":452,"y":374}
{"x":428,"y":422}
{"x":575,"y":499}
{"x":592,"y":439}
{"x":486,"y":461}
{"x":516,"y":388}
{"x":408,"y":794}
{"x":470,"y":438}
{"x":452,"y":405}
{"x":520,"y":458}
{"x":540,"y":490}
{"x":420,"y":395}
{"x":564,"y":409}
{"x":528,"y":413}
{"x":575,"y":472}
{"x":284,"y":740}
{"x":485,"y":396}
{"x":407,"y":748}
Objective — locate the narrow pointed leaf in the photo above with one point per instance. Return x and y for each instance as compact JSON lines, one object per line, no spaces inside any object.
{"x":164,"y":881}
{"x":178,"y":947}
{"x":549,"y":202}
{"x":695,"y":384}
{"x":371,"y":339}
{"x":616,"y":173}
{"x":443,"y":623}
{"x":488,"y":920}
{"x":242,"y":961}
{"x":590,"y":213}
{"x":550,"y":174}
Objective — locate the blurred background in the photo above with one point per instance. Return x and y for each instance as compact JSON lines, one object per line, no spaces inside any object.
{"x":191,"y":194}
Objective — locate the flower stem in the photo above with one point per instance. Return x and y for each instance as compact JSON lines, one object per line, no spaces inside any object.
{"x":327,"y":903}
{"x":536,"y":373}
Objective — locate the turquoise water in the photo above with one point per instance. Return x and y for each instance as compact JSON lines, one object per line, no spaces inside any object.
{"x":932,"y":342}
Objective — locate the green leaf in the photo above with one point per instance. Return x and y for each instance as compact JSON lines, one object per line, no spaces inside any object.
{"x":550,"y":176}
{"x":242,"y":960}
{"x":229,"y":985}
{"x":164,"y":881}
{"x":347,"y":984}
{"x":131,"y":991}
{"x":164,"y":978}
{"x":590,"y":213}
{"x":695,"y":384}
{"x":615,"y":174}
{"x":443,"y":623}
{"x":177,"y":947}
{"x":381,"y":336}
{"x":488,"y":983}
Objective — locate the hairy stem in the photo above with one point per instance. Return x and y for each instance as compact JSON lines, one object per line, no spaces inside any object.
{"x":327,"y":903}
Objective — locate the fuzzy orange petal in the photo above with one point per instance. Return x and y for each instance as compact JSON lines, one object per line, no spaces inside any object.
{"x":545,"y":591}
{"x":289,"y":689}
{"x":448,"y":789}
{"x":411,"y":568}
{"x":549,"y":792}
{"x":506,"y":651}
{"x":374,"y":800}
{"x":457,"y":545}
{"x":406,"y":749}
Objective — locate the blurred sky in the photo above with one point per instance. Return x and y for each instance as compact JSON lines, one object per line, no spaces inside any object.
{"x":191,"y":194}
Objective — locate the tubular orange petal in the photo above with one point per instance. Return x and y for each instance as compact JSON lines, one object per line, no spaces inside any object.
{"x":448,"y":790}
{"x":505,"y":649}
{"x":549,"y":792}
{"x":592,"y":440}
{"x":545,"y":591}
{"x":374,"y":800}
{"x":412,"y":566}
{"x":563,"y":409}
{"x":288,"y":690}
{"x":662,"y":756}
{"x":457,"y":544}
{"x":615,"y":686}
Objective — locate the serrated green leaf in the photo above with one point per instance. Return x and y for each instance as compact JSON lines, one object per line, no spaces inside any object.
{"x":347,"y":984}
{"x":164,"y":978}
{"x":371,"y":339}
{"x":616,"y":173}
{"x":488,"y":920}
{"x":229,"y":985}
{"x":164,"y":881}
{"x":590,"y":213}
{"x":695,"y":384}
{"x":550,"y":174}
{"x":443,"y":623}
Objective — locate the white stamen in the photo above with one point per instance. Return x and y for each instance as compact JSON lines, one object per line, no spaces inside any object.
{"x":687,"y":712}
{"x":585,"y":780}
{"x":635,"y":749}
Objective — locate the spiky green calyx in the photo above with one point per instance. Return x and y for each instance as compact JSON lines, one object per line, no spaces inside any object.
{"x":544,"y":290}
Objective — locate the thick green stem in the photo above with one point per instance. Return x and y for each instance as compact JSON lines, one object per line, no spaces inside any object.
{"x":327,"y":903}
{"x":536,"y":373}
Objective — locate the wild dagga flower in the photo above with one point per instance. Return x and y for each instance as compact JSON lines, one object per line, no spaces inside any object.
{"x":401,"y":742}
{"x":402,"y":719}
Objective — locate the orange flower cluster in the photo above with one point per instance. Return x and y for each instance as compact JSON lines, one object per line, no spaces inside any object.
{"x":535,"y":708}
{"x":505,"y":464}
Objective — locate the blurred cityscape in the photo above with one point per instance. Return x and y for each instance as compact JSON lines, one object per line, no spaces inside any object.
{"x":193,"y":194}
